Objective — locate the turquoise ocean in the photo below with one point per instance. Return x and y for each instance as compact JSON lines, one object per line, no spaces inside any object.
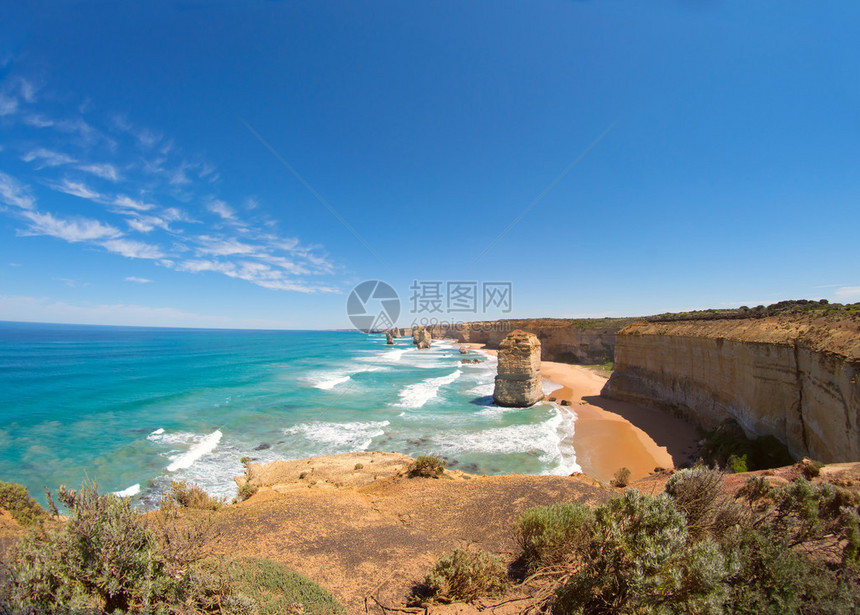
{"x":134,"y":408}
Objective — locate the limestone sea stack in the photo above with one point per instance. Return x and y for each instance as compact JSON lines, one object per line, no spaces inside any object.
{"x":388,"y":338}
{"x":518,"y":382}
{"x":421,"y":337}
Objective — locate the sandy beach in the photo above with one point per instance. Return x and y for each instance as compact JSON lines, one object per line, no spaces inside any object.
{"x":611,"y":434}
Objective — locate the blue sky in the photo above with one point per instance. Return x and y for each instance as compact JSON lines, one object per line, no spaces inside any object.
{"x":686,"y":155}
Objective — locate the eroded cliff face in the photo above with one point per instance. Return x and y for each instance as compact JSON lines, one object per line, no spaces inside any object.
{"x":795,"y":379}
{"x":569,"y":341}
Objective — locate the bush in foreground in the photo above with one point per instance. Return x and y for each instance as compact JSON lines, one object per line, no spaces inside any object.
{"x":15,"y":499}
{"x":694,"y":549}
{"x":639,"y":559}
{"x":246,"y":491}
{"x":698,"y":493}
{"x":192,"y":496}
{"x":466,"y":575}
{"x":105,"y":558}
{"x":426,"y":466}
{"x":621,"y":478}
{"x":550,"y":536}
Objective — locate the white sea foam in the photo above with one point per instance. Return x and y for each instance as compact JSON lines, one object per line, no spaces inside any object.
{"x":338,"y":437}
{"x":128,"y":492}
{"x":551,"y":440}
{"x":327,"y":380}
{"x":549,"y":386}
{"x":154,"y":435}
{"x":416,"y":395}
{"x":203,"y":446}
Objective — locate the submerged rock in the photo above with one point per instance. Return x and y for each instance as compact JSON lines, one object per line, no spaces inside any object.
{"x":518,"y":380}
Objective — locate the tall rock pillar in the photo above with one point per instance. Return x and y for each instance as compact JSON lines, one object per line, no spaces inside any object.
{"x":518,"y":382}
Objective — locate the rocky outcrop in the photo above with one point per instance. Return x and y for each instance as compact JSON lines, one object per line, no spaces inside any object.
{"x":585,"y":341}
{"x":796,"y":379}
{"x":464,"y":350}
{"x":518,"y":381}
{"x":421,"y":337}
{"x":388,"y":338}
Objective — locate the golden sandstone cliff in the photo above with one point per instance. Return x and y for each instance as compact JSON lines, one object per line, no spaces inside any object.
{"x":791,"y":374}
{"x":565,"y":340}
{"x":795,"y":377}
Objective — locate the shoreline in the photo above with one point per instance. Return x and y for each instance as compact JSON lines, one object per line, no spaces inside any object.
{"x":609,"y":434}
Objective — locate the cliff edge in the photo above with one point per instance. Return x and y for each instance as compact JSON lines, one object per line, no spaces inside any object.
{"x":794,"y":377}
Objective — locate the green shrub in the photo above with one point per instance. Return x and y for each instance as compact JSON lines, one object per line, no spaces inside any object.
{"x":466,"y":575}
{"x":105,"y":558}
{"x":15,"y":499}
{"x":277,"y":590}
{"x":246,"y":491}
{"x":358,"y":466}
{"x":810,"y":468}
{"x":244,"y":460}
{"x":639,"y":560}
{"x":737,"y":464}
{"x":192,"y":496}
{"x":621,"y":478}
{"x":427,"y":466}
{"x":699,"y":494}
{"x":551,"y":536}
{"x":728,"y":447}
{"x":775,"y":578}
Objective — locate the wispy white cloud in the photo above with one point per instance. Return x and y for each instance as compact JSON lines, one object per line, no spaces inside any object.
{"x":13,"y":193}
{"x":254,"y":272}
{"x":8,"y":105}
{"x":848,"y":293}
{"x":241,"y":243}
{"x":138,"y":280}
{"x":221,"y":209}
{"x":133,"y":249}
{"x":180,"y":177}
{"x":27,"y":90}
{"x":127,"y":202}
{"x":103,"y":170}
{"x":71,"y":230}
{"x":78,"y":189}
{"x":146,"y":224}
{"x":47,"y":158}
{"x":213,"y":246}
{"x":37,"y":120}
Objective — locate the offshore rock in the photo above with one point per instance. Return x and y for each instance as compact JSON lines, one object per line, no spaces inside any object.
{"x":388,"y":338}
{"x":518,"y":382}
{"x":464,"y":350}
{"x":421,"y":337}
